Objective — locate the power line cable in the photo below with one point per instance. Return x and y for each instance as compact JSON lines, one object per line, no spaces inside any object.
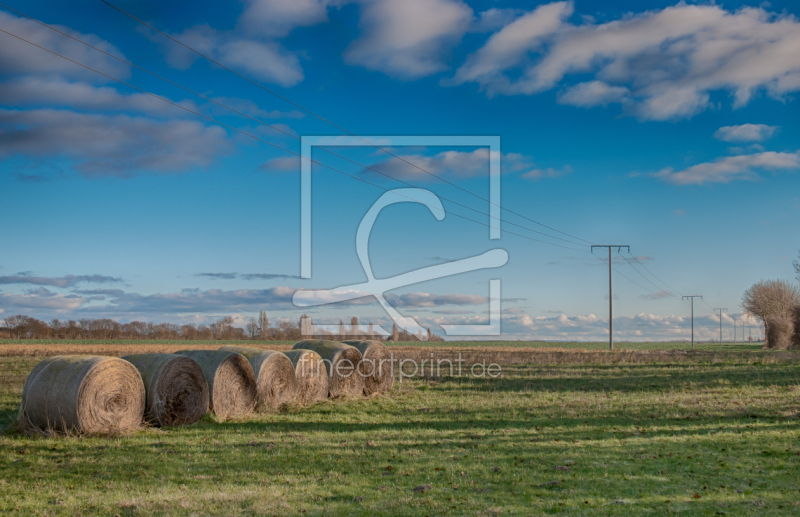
{"x":643,"y":276}
{"x":277,"y":128}
{"x":368,"y":143}
{"x":266,"y":141}
{"x":654,"y":275}
{"x":623,"y":275}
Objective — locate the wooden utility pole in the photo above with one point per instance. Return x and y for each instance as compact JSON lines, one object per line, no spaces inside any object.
{"x":692,"y":297}
{"x":610,"y":297}
{"x":720,"y":323}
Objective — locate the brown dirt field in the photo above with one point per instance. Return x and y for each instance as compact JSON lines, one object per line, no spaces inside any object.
{"x":499,"y":355}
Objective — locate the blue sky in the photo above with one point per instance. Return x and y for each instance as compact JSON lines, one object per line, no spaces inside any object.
{"x":669,"y":127}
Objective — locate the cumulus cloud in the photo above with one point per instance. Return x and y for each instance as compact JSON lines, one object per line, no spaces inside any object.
{"x":660,"y":295}
{"x":250,"y":108}
{"x":745,"y":133}
{"x":210,"y":301}
{"x":57,"y":281}
{"x":434,"y":300}
{"x":251,"y":48}
{"x":593,"y":93}
{"x":639,"y":327}
{"x":731,"y":168}
{"x":18,"y":57}
{"x":510,"y":46}
{"x":550,"y":172}
{"x":281,"y":164}
{"x":278,"y":18}
{"x":460,"y":164}
{"x":218,"y":276}
{"x":40,"y":301}
{"x":408,"y":39}
{"x":119,"y":303}
{"x":245,"y":276}
{"x":37,"y":91}
{"x":663,"y":63}
{"x":110,"y":145}
{"x":493,"y":19}
{"x":98,"y":130}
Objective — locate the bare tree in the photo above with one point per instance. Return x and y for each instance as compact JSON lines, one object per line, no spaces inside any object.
{"x":58,"y":327}
{"x":252,"y":327}
{"x":796,"y":265}
{"x":774,"y":303}
{"x":263,"y":325}
{"x":354,"y":330}
{"x":17,"y":325}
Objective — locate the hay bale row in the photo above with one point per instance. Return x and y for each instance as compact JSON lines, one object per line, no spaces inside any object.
{"x":82,"y":395}
{"x":96,"y":395}
{"x":274,"y":372}
{"x":231,"y":382}
{"x":311,"y":375}
{"x":377,"y":368}
{"x":176,"y":389}
{"x":343,"y":364}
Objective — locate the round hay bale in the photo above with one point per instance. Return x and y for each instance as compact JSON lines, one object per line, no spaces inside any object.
{"x":275,"y":380}
{"x":231,"y":382}
{"x":82,"y":394}
{"x":376,"y":365}
{"x":175,"y":387}
{"x":343,"y":363}
{"x":311,"y":375}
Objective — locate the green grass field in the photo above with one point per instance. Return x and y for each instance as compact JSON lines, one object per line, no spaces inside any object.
{"x":695,"y":438}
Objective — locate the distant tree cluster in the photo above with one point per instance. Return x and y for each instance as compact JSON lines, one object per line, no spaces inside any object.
{"x":777,"y":304}
{"x":26,"y":327}
{"x":356,"y":331}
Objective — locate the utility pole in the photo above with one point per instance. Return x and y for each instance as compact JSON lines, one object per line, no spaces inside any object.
{"x":720,"y":324}
{"x":734,"y":331}
{"x":610,"y":298}
{"x":692,"y":297}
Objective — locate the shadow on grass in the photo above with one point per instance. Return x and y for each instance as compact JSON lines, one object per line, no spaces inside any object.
{"x":636,"y":378}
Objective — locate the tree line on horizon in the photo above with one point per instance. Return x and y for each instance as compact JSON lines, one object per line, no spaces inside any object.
{"x":261,"y":328}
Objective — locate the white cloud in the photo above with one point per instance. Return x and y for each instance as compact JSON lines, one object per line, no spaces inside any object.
{"x":40,"y":300}
{"x":27,"y":277}
{"x":731,"y":168}
{"x":537,"y":174}
{"x":461,"y":164}
{"x":39,"y":91}
{"x":669,"y":59}
{"x":110,"y":145}
{"x":745,"y":133}
{"x":640,"y":327}
{"x":493,"y":19}
{"x":277,"y":18}
{"x":281,"y":164}
{"x":593,"y":93}
{"x":264,"y":59}
{"x":16,"y":56}
{"x":508,"y":47}
{"x":434,"y":300}
{"x":409,"y":38}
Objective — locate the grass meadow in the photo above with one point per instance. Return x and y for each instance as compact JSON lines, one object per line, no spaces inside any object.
{"x":714,"y":433}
